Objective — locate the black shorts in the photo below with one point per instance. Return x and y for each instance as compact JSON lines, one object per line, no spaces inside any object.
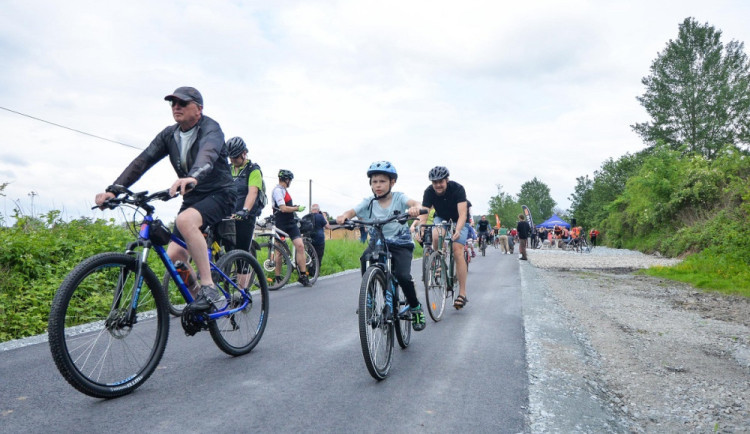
{"x":290,"y":228}
{"x":212,"y":207}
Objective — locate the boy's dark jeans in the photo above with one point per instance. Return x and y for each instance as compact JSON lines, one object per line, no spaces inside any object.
{"x":401,"y":257}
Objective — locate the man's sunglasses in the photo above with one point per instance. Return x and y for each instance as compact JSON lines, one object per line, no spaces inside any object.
{"x":179,"y":102}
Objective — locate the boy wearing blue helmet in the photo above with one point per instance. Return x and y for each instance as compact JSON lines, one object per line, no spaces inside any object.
{"x":382,"y":204}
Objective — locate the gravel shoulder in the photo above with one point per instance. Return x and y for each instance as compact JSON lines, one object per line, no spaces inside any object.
{"x":611,"y":351}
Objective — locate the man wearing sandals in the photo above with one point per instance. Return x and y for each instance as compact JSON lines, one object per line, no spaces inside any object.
{"x":448,"y":198}
{"x":195,"y":147}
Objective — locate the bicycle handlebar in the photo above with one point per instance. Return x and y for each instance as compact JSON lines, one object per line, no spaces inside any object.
{"x":140,"y":199}
{"x":399,"y":217}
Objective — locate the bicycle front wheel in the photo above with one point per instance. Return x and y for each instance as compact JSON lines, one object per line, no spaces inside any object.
{"x":437,"y":286}
{"x":425,"y":266}
{"x":107,"y":331}
{"x":312,"y":263}
{"x":239,"y":332}
{"x":275,"y":254}
{"x":375,"y":330}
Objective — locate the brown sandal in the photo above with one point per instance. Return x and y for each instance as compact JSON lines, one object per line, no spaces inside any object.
{"x":460,"y":302}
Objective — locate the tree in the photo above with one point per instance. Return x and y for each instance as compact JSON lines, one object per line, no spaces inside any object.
{"x":698,"y":93}
{"x":535,"y":195}
{"x":505,"y":206}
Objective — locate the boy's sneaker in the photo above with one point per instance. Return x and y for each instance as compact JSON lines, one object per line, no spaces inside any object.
{"x":207,"y":296}
{"x":417,"y":319}
{"x":304,"y":280}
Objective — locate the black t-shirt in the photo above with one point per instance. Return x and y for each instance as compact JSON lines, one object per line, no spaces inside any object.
{"x":483,"y":225}
{"x":446,"y":206}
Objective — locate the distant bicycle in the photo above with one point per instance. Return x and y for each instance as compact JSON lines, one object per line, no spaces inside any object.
{"x":482,"y":244}
{"x":426,"y":234}
{"x":279,"y":260}
{"x":441,"y":272}
{"x":109,"y":320}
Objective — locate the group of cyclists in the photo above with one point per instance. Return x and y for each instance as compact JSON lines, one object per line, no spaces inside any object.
{"x":217,"y":179}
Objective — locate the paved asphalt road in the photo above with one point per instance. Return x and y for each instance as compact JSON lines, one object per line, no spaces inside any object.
{"x":464,"y":374}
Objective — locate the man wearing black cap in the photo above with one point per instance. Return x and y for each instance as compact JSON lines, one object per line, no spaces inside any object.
{"x":195,"y":146}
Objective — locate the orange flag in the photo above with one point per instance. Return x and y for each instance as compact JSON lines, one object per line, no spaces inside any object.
{"x":497,"y":219}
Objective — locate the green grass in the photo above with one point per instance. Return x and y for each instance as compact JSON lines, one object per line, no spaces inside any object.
{"x":708,"y":271}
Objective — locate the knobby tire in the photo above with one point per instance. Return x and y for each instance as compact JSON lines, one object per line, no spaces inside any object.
{"x":375,"y":334}
{"x":95,"y":349}
{"x":238,"y":333}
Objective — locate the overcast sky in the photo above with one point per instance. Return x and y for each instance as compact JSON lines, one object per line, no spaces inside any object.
{"x":499,"y":92}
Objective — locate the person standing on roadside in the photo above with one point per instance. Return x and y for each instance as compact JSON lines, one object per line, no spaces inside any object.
{"x":283,"y":212}
{"x":592,"y":236}
{"x":318,"y":238}
{"x":195,"y":147}
{"x":523,"y":235}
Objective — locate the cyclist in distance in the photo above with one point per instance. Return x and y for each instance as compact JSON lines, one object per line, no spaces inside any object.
{"x":195,"y":147}
{"x":448,"y":198}
{"x":382,"y":204}
{"x":283,"y":211}
{"x":483,"y":229}
{"x":248,"y":181}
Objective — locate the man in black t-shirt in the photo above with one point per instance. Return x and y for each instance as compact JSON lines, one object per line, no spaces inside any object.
{"x":483,"y":229}
{"x":448,"y":198}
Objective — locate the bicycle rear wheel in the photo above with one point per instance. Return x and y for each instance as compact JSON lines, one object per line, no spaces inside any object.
{"x":238,"y":333}
{"x":375,"y":332}
{"x":312,"y":262}
{"x":272,"y":254}
{"x":99,"y":345}
{"x":437,"y":286}
{"x":403,"y":322}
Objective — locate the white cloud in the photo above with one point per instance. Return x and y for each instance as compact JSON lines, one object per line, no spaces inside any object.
{"x":500,"y":92}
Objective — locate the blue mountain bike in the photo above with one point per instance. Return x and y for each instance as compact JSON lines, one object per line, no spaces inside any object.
{"x":108,"y":331}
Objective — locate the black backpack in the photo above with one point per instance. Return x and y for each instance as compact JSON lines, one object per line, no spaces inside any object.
{"x":307,"y":224}
{"x":262,"y":199}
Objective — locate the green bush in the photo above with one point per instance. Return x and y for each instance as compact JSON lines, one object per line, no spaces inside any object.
{"x":36,"y":256}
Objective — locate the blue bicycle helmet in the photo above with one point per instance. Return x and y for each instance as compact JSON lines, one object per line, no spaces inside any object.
{"x":383,"y":167}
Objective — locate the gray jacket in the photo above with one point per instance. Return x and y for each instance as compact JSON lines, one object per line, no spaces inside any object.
{"x":206,"y":161}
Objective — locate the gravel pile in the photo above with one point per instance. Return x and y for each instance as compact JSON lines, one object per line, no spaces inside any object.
{"x":601,"y":258}
{"x":616,"y":352}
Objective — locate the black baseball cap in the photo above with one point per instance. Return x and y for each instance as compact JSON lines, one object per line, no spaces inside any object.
{"x":186,"y":94}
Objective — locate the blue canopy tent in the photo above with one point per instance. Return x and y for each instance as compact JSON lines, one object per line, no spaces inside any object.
{"x":553,"y":221}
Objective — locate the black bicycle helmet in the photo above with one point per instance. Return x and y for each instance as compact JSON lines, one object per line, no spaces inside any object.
{"x":235,"y":147}
{"x":439,"y":172}
{"x":286,"y":174}
{"x":383,"y":167}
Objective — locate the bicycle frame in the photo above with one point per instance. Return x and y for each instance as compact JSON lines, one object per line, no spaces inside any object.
{"x":280,"y":237}
{"x":144,"y":240}
{"x":445,"y":247}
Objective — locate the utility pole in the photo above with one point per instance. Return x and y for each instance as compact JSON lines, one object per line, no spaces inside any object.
{"x":309,"y":197}
{"x":31,"y":195}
